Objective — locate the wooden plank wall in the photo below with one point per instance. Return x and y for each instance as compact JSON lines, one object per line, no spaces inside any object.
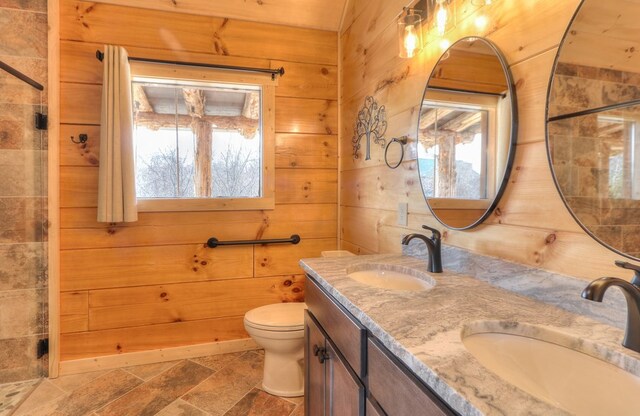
{"x":531,"y":224}
{"x":152,"y":284}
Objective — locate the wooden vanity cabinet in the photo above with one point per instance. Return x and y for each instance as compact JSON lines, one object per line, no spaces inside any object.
{"x":343,"y":364}
{"x":396,"y":390}
{"x":332,"y":388}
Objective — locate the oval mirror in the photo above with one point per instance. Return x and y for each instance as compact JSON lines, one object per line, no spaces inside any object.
{"x":466,"y":133}
{"x":593,"y":122}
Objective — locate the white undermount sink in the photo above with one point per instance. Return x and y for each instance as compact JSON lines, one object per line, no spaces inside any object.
{"x":566,"y":378}
{"x":390,"y":277}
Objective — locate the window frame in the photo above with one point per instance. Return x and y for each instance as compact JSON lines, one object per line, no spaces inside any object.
{"x":198,"y":74}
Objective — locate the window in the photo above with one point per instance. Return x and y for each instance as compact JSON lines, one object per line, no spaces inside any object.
{"x":203,"y":138}
{"x":620,"y":145}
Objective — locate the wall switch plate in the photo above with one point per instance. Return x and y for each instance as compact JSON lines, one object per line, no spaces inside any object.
{"x":403,"y":214}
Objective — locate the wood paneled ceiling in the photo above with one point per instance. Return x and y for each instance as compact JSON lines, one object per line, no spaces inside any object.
{"x":314,"y":14}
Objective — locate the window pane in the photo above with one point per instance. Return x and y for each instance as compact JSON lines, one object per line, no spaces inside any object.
{"x":197,"y":140}
{"x":235,"y":166}
{"x":164,"y":165}
{"x":452,"y":161}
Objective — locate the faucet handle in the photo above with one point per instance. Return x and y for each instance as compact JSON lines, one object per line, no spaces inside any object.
{"x":436,"y":233}
{"x":629,"y":266}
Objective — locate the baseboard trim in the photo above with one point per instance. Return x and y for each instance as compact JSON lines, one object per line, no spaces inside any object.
{"x":106,"y":362}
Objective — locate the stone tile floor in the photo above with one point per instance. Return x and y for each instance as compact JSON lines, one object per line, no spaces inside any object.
{"x":218,"y":385}
{"x":12,"y":394}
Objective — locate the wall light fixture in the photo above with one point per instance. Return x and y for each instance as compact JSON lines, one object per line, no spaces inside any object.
{"x":409,"y":32}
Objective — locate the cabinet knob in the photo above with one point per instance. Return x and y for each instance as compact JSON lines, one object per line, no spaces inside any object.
{"x":316,"y":350}
{"x":321,"y":353}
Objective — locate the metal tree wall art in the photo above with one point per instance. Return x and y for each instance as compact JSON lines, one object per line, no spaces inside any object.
{"x":371,"y":122}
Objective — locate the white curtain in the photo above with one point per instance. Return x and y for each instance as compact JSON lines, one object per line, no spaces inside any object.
{"x":116,"y":187}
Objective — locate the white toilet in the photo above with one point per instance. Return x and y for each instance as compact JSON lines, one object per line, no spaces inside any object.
{"x":279,"y":329}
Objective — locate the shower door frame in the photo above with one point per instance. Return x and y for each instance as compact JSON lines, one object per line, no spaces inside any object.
{"x":53,"y":178}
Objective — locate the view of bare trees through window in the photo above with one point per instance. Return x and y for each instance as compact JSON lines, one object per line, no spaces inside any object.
{"x":197,"y":141}
{"x":164,"y":175}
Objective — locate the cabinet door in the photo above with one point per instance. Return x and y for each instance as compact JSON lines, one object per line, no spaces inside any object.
{"x":373,"y":410}
{"x":314,"y":397}
{"x":345,"y":393}
{"x":396,"y":391}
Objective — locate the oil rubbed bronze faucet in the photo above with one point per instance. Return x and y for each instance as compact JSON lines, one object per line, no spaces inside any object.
{"x":596,"y":289}
{"x":433,"y":246}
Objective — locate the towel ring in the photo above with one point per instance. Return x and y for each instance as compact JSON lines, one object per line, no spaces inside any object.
{"x":400,"y":140}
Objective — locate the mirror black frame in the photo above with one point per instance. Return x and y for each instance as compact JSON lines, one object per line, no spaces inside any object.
{"x":548,"y":147}
{"x":513,"y":140}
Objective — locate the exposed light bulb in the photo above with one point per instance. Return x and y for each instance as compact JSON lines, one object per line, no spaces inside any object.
{"x":410,"y":40}
{"x":441,"y":17}
{"x":409,"y":33}
{"x":481,"y":22}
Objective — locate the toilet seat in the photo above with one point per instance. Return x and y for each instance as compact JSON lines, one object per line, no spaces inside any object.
{"x":279,"y":317}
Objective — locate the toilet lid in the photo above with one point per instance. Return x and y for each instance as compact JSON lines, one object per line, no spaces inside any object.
{"x":277,"y":317}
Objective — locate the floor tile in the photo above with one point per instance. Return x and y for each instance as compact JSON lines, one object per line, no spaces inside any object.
{"x":148,"y":371}
{"x":217,"y":362}
{"x":298,"y":411}
{"x":12,"y":394}
{"x":94,"y":395}
{"x":181,"y":408}
{"x":260,"y":403}
{"x":225,"y":388}
{"x":295,"y":400}
{"x":157,"y":393}
{"x":45,"y":393}
{"x":74,"y":381}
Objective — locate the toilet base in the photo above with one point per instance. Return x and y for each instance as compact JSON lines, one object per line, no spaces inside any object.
{"x":283,"y":374}
{"x":284,"y":393}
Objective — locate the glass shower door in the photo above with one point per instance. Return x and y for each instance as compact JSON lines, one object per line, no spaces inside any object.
{"x":23,"y":246}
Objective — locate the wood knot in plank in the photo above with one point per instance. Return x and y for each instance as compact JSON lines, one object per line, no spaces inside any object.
{"x":551,"y":238}
{"x":219,"y":45}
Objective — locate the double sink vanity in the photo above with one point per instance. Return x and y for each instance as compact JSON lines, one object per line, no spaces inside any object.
{"x":385,"y":335}
{"x":448,"y":331}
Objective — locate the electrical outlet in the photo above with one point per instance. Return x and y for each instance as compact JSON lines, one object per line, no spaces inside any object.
{"x":403,"y":214}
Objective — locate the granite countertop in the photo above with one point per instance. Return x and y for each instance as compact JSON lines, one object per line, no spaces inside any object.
{"x":424,"y":329}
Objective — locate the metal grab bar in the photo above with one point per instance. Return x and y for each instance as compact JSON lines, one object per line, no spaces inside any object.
{"x":214,"y":242}
{"x":21,"y":76}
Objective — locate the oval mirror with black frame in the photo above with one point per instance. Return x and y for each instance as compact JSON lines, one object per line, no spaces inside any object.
{"x":593,"y":122}
{"x":467,"y":133}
